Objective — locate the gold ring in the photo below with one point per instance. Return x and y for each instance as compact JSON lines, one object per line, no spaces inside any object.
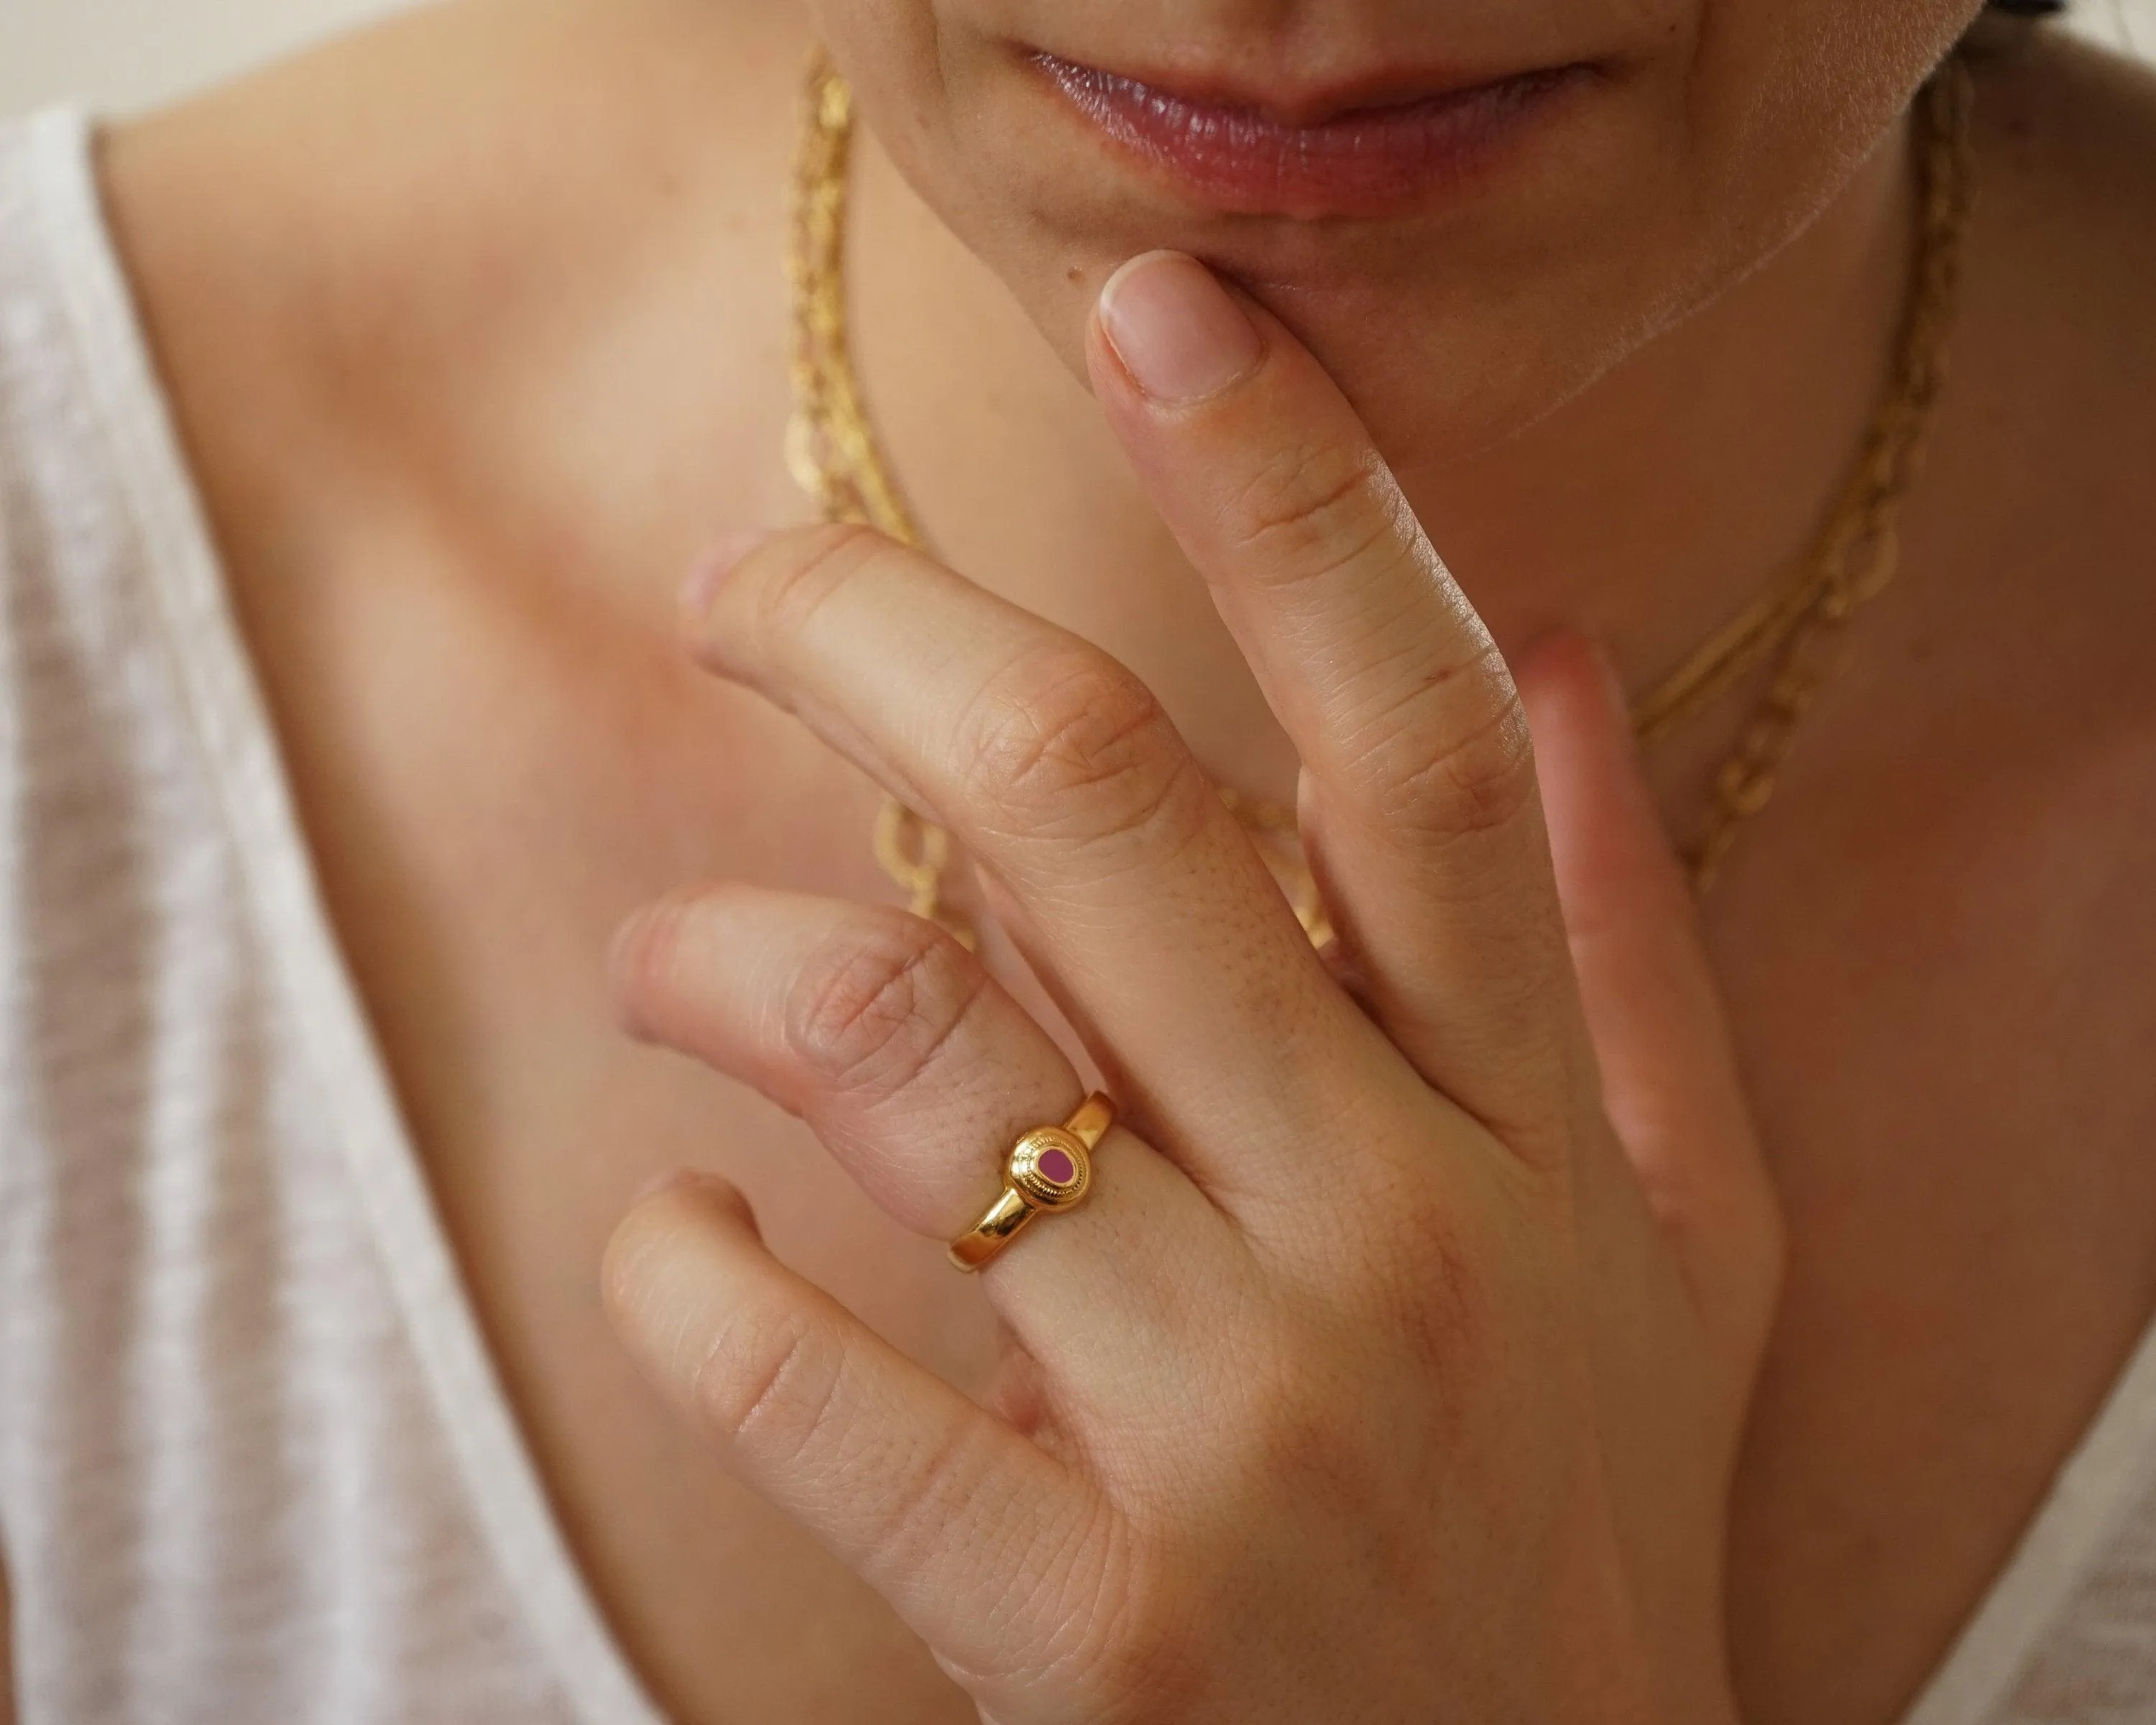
{"x":1049,"y":1168}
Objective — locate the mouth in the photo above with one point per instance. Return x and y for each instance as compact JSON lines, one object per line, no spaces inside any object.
{"x":1368,"y":152}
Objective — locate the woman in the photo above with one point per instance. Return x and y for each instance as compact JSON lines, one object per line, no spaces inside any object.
{"x":1426,"y":1345}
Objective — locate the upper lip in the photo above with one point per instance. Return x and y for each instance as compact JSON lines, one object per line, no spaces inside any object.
{"x":1303,"y":104}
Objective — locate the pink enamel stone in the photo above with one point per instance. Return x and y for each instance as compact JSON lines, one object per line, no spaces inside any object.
{"x":1057,"y":1167}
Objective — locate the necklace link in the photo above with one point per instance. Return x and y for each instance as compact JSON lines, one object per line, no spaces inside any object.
{"x":834,"y":454}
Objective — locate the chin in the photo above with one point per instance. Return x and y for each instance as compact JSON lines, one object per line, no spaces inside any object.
{"x":1469,"y":213}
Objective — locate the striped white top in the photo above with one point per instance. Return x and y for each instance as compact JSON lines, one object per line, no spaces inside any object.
{"x":254,"y":1461}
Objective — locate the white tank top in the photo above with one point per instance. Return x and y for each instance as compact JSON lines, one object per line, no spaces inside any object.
{"x":256,"y":1464}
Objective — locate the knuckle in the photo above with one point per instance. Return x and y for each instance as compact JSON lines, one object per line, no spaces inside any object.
{"x":921,"y":1494}
{"x":1418,"y":1278}
{"x":768,"y":1378}
{"x":879,"y":1001}
{"x":1450,"y":757}
{"x":649,"y":958}
{"x":1293,"y":1434}
{"x":1086,"y":1589}
{"x":1112,"y":1625}
{"x":778,"y":1384}
{"x":1066,"y":743}
{"x":1083,"y":1611}
{"x":800,"y":571}
{"x":1435,"y":1287}
{"x":1311,"y":508}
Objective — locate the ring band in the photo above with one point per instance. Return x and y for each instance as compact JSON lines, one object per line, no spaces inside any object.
{"x":1048,"y":1168}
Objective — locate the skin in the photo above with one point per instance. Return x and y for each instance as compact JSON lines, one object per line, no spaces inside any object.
{"x":1442,"y":1380}
{"x":489,"y":417}
{"x":1705,"y":140}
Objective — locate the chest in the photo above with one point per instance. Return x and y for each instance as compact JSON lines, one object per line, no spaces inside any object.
{"x":1935,"y":984}
{"x":1940,"y":1047}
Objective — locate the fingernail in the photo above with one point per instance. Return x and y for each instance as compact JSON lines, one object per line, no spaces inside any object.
{"x":1176,"y":329}
{"x":711,"y":569}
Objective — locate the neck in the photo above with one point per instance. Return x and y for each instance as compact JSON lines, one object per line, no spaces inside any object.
{"x":1647,"y":512}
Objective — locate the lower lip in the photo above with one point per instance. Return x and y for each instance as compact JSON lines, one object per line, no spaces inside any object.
{"x":1368,"y":161}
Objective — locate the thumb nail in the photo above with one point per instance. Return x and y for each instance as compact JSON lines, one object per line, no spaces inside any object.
{"x":1178,"y":333}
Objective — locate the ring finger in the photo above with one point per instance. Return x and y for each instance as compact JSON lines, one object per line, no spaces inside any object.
{"x":918,"y":1072}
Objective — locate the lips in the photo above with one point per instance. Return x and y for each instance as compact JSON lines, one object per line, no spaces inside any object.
{"x":1369,"y":159}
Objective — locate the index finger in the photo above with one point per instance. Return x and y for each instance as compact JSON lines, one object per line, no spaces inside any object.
{"x":1419,"y":801}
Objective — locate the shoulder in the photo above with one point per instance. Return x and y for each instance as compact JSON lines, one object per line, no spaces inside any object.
{"x":451,"y":238}
{"x":463,"y":145}
{"x":2037,"y":493}
{"x":2063,"y":247}
{"x":2008,"y":742}
{"x":2054,"y":108}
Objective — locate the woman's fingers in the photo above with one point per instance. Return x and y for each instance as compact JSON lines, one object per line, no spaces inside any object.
{"x":1057,"y":771}
{"x":1419,"y":797}
{"x":1669,"y":1075}
{"x":971,"y":1532}
{"x":918,"y":1071}
{"x":876,"y":1028}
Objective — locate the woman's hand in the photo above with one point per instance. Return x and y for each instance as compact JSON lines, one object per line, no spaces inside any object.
{"x":1395,"y":1369}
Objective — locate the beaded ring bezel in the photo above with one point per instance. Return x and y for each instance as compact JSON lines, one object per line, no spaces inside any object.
{"x":1036,"y":1183}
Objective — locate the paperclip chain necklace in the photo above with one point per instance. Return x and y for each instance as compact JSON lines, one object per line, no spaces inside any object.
{"x":832,"y":452}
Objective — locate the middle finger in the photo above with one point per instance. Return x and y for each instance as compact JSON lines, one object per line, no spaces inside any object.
{"x":1055,"y":767}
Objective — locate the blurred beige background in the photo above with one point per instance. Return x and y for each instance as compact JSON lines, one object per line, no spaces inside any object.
{"x":125,"y":53}
{"x":116,"y":54}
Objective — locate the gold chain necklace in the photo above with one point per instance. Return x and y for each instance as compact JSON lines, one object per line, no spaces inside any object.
{"x":834,"y":454}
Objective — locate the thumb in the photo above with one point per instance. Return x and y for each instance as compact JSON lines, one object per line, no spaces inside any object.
{"x":1669,"y":1073}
